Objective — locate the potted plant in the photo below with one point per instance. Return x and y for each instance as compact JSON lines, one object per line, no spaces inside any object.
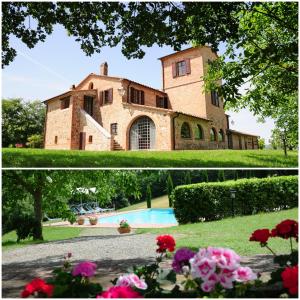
{"x":93,"y":220}
{"x":124,"y":227}
{"x":80,"y":220}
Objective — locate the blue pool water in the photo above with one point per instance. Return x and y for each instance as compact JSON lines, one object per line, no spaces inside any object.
{"x":148,"y":216}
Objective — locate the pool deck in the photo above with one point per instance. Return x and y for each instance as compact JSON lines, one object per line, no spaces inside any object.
{"x":109,"y":225}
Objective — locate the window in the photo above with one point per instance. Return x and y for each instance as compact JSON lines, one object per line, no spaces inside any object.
{"x":90,"y":139}
{"x":213,"y":135}
{"x":91,"y":85}
{"x":65,"y":103}
{"x":55,"y":139}
{"x":161,"y":102}
{"x":215,"y":98}
{"x":181,"y":68}
{"x":221,"y":136}
{"x":107,"y":96}
{"x":199,"y":133}
{"x":137,"y":96}
{"x":114,"y":128}
{"x":88,"y":104}
{"x":185,"y":131}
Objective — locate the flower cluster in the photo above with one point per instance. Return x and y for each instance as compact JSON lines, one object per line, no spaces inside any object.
{"x":219,"y":266}
{"x":131,"y":280}
{"x":124,"y":224}
{"x":165,"y":243}
{"x":181,"y":259}
{"x":120,"y":292}
{"x":286,"y":229}
{"x":85,"y":269}
{"x":37,"y":286}
{"x":290,"y":279}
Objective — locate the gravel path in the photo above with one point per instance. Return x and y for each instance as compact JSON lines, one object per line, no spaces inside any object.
{"x":113,"y":253}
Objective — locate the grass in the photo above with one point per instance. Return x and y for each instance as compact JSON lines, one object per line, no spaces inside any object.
{"x":159,"y":202}
{"x":50,"y":233}
{"x":12,"y":157}
{"x":232,"y":233}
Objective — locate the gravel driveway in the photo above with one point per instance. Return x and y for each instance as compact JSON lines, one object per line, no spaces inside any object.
{"x":112,"y":252}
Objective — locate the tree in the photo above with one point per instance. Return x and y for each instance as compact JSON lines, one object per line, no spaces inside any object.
{"x":204,"y":176}
{"x":187,"y":178}
{"x":21,"y":120}
{"x":221,"y":175}
{"x":51,"y":190}
{"x":148,"y":196}
{"x":261,"y":143}
{"x":170,"y":187}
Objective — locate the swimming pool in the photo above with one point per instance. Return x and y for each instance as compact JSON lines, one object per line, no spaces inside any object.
{"x":152,"y":216}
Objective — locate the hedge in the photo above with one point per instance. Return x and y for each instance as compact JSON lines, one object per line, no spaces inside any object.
{"x":214,"y":201}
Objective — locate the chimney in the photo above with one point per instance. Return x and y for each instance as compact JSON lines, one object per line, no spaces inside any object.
{"x":104,"y":69}
{"x":72,"y":87}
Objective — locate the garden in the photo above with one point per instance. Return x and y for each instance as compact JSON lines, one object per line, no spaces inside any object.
{"x":237,"y":234}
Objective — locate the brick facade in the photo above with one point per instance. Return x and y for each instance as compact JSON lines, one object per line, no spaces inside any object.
{"x":111,"y":113}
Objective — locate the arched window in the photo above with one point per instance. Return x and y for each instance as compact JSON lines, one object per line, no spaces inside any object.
{"x":221,"y":135}
{"x":91,"y":86}
{"x":142,"y":134}
{"x":199,"y":133}
{"x":185,"y":131}
{"x":213,"y":135}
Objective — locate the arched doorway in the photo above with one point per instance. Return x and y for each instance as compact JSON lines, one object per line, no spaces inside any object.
{"x":142,"y":134}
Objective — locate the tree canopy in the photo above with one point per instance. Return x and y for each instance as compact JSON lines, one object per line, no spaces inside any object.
{"x":21,"y":120}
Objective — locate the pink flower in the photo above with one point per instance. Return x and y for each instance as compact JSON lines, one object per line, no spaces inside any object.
{"x":225,"y":258}
{"x":85,"y":269}
{"x":202,"y":268}
{"x":227,"y":278}
{"x":209,"y":285}
{"x":131,"y":280}
{"x":243,"y":274}
{"x":120,"y":292}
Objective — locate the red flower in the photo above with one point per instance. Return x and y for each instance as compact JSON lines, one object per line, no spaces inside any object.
{"x":290,"y":279}
{"x":164,"y":243}
{"x":37,"y":285}
{"x":120,"y":292}
{"x":260,"y":235}
{"x":286,"y":229}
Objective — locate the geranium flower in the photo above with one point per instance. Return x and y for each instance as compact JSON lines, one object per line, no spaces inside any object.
{"x":227,"y":278}
{"x":120,"y":292}
{"x":243,"y":274}
{"x":37,"y":285}
{"x":290,"y":279}
{"x":286,"y":229}
{"x":225,"y":258}
{"x":260,"y":235}
{"x":164,"y":243}
{"x":85,"y":269}
{"x":209,"y":285}
{"x":202,"y":268}
{"x":181,"y":258}
{"x":131,"y":280}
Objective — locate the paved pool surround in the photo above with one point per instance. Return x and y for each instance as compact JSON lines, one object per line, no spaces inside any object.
{"x":112,"y":225}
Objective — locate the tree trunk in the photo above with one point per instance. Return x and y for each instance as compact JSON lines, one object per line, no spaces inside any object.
{"x":38,"y":214}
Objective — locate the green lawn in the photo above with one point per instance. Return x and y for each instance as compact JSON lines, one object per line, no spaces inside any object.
{"x":13,"y":157}
{"x":232,"y":233}
{"x":159,"y":202}
{"x":50,"y":233}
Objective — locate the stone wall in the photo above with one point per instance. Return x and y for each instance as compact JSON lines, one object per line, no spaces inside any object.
{"x":193,"y":142}
{"x":58,"y":123}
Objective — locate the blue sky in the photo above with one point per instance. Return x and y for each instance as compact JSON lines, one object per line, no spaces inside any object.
{"x":53,"y":66}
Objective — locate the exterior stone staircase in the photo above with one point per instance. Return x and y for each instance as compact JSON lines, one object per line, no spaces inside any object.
{"x":116,"y":146}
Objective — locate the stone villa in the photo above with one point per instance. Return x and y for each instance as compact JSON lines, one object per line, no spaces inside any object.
{"x":111,"y":113}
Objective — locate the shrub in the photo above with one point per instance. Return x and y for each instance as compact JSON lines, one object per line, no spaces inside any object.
{"x":214,"y":201}
{"x":35,"y":141}
{"x":148,"y":196}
